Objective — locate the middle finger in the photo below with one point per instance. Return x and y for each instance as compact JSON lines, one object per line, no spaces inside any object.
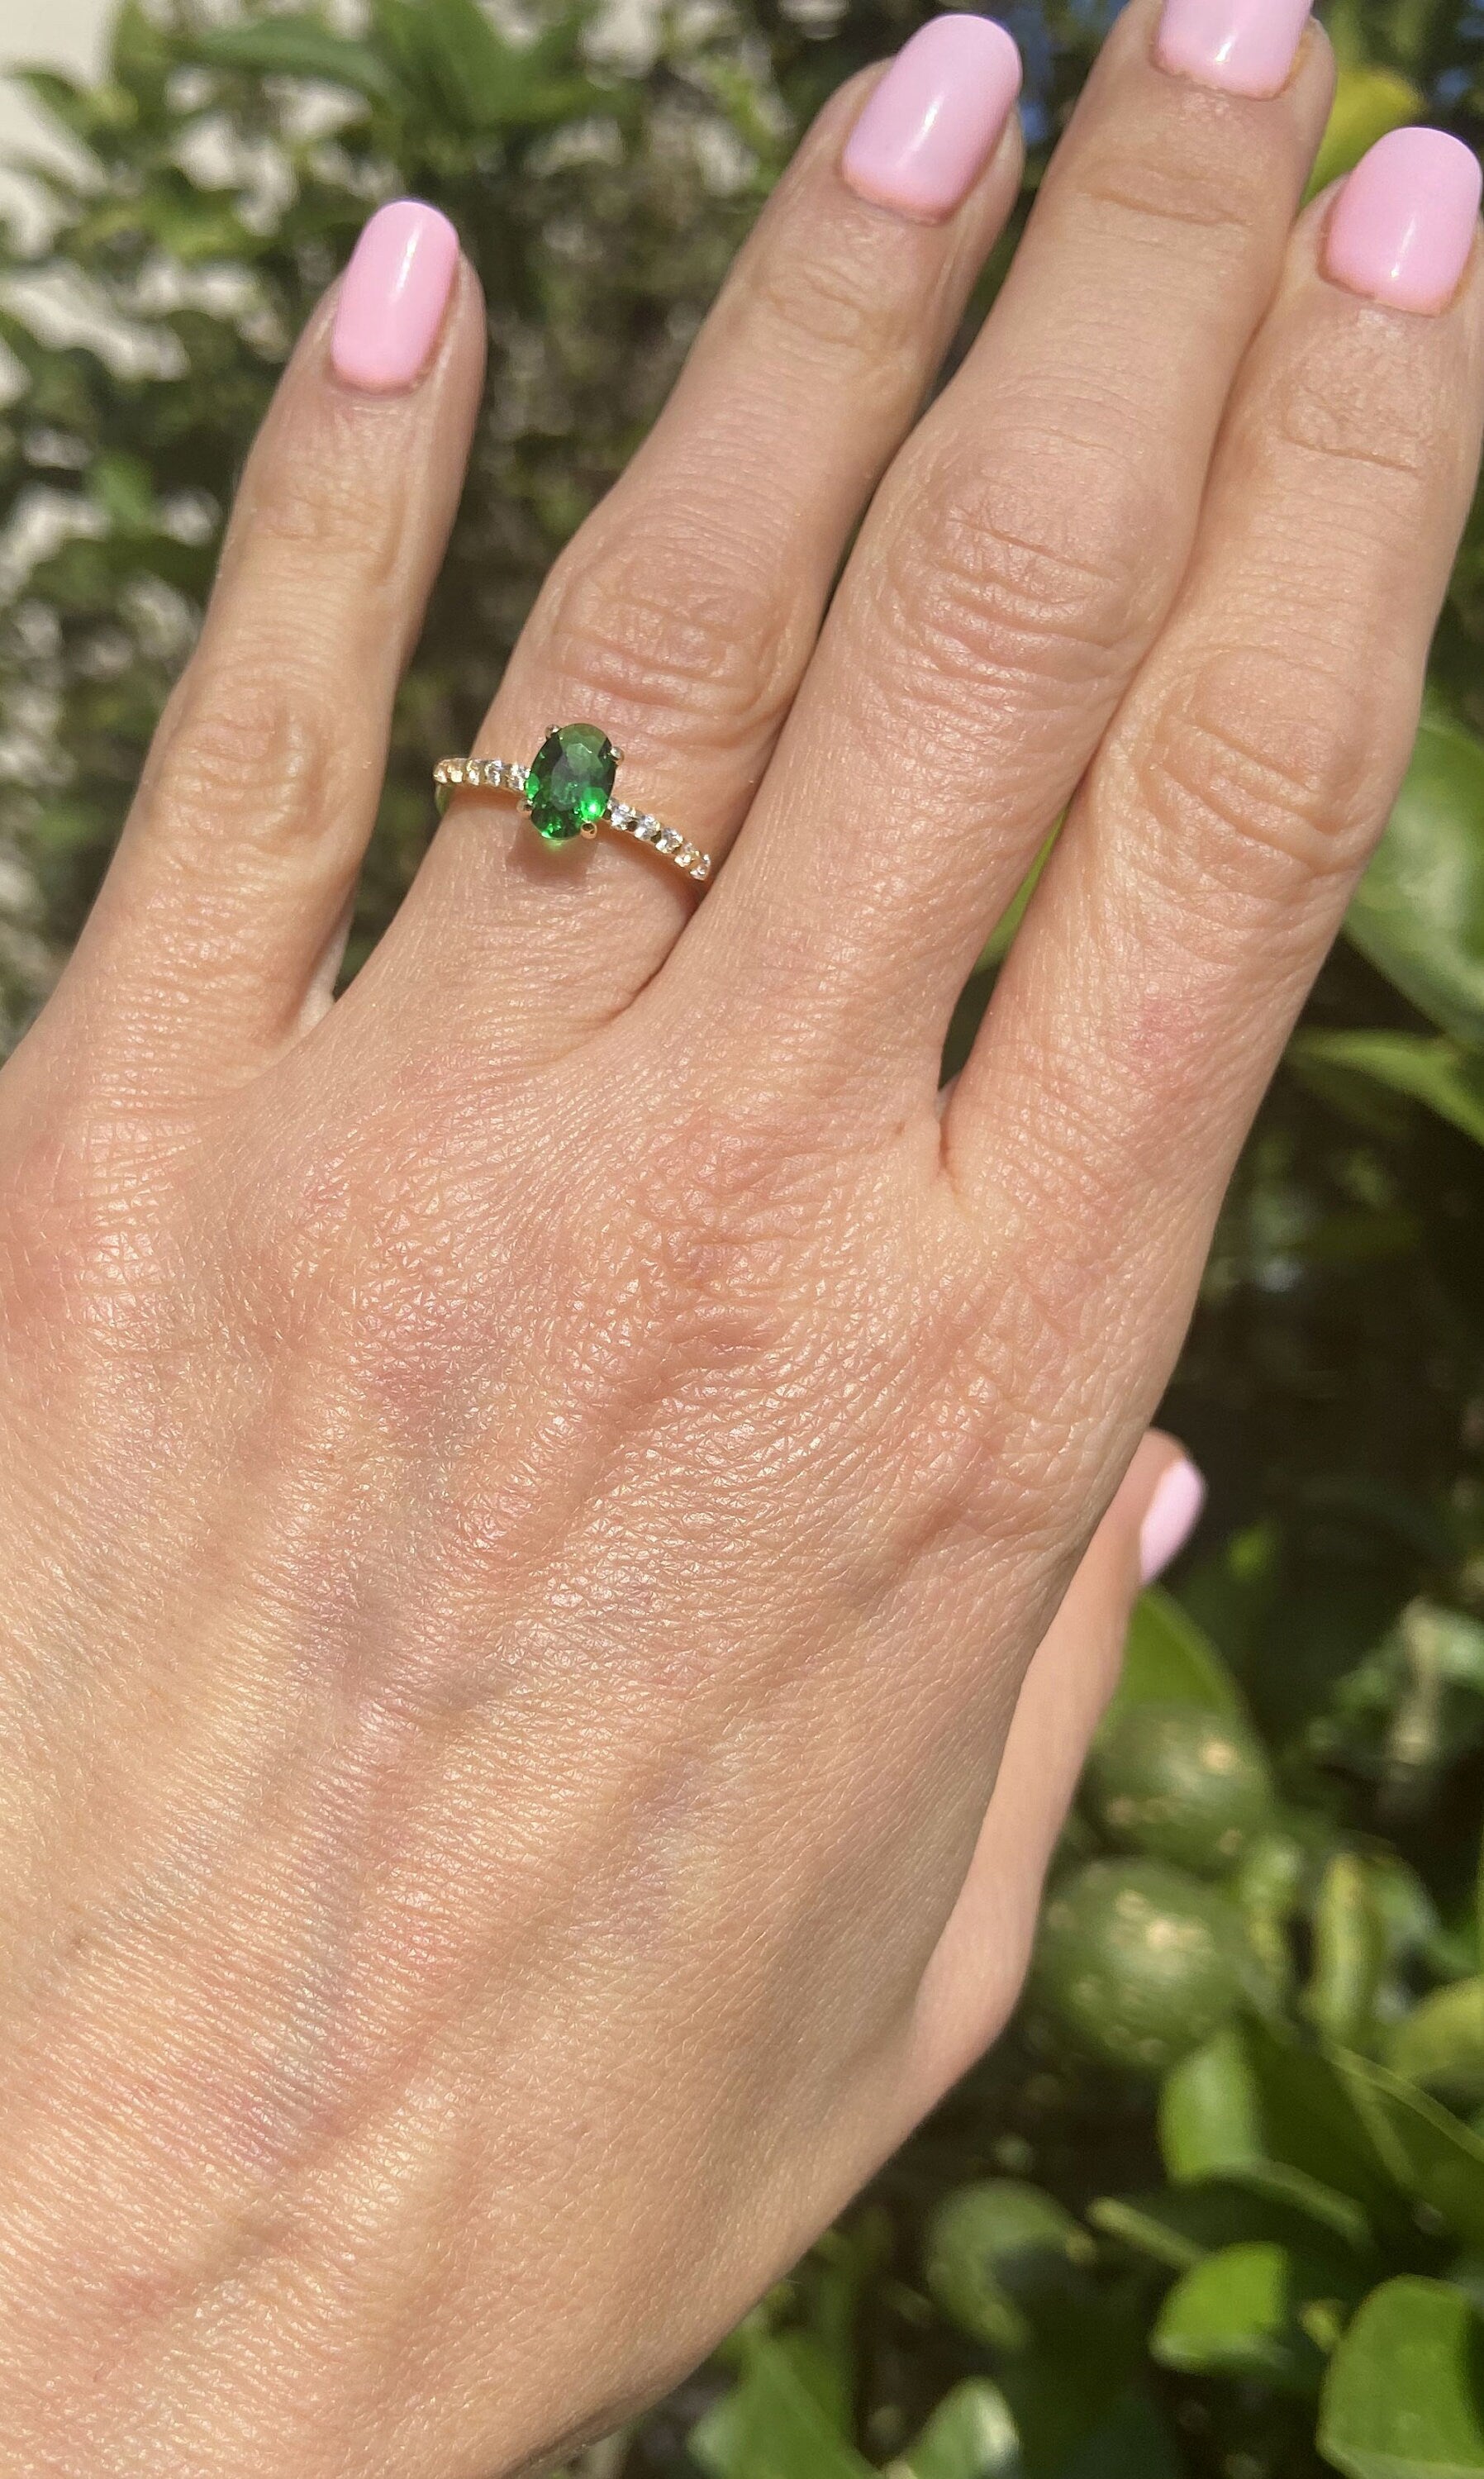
{"x":1017,"y":561}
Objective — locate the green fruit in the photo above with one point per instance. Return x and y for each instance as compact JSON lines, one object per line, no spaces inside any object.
{"x":1181,"y":1784}
{"x":998,"y":2253}
{"x":1138,"y":1963}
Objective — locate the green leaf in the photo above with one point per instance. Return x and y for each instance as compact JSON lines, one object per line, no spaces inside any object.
{"x":1404,"y":2396}
{"x":1419,"y":911}
{"x":1443,"y":1074}
{"x":1238,"y":2315}
{"x":467,"y":77}
{"x":1441,"y":2043}
{"x":1071,"y":2398}
{"x":971,"y":2435}
{"x":773,"y":2424}
{"x":295,"y":46}
{"x":1167,"y":1659}
{"x":1182,"y":2226}
{"x":96,"y":117}
{"x":1349,"y":1953}
{"x":999,"y":2258}
{"x":123,"y":488}
{"x":1280,"y":2122}
{"x":1428,"y":2151}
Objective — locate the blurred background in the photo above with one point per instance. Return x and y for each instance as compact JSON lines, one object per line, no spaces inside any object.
{"x":1215,"y":2208}
{"x":66,"y":33}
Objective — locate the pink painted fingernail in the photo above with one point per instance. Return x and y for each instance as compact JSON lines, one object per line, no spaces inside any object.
{"x":1242,"y":46}
{"x":391,"y":300}
{"x":1170,"y":1517}
{"x":930,"y":126}
{"x":1401,"y":229}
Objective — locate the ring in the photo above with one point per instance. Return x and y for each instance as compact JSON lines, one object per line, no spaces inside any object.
{"x":567,"y":790}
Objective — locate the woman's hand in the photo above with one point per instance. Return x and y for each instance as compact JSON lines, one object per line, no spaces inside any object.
{"x":531,"y":1492}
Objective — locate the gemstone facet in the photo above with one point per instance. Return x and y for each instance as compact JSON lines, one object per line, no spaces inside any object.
{"x":569,"y":781}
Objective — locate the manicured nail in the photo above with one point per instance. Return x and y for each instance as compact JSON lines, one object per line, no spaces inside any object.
{"x":1170,"y":1517}
{"x":392,"y":297}
{"x":931,"y":124}
{"x":1242,"y":46}
{"x":1401,"y":229}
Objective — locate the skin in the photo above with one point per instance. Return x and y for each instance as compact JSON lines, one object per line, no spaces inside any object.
{"x":532,"y":1492}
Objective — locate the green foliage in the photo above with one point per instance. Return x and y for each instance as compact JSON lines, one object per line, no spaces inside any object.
{"x":1214,"y":2206}
{"x":1000,"y":2262}
{"x":1405,"y":2394}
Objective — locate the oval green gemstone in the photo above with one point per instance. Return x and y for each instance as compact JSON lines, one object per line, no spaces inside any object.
{"x":569,"y":781}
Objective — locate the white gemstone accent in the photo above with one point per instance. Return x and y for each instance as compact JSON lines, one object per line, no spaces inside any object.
{"x":621,"y":815}
{"x":667,"y":840}
{"x":515,"y":778}
{"x":702,"y":868}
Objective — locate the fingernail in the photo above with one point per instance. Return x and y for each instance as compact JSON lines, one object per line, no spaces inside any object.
{"x":930,"y":126}
{"x":1170,"y":1517}
{"x":392,"y":297}
{"x":1242,"y":46}
{"x":1401,"y":229}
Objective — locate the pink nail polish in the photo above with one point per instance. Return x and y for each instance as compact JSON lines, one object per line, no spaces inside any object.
{"x":1170,"y":1517}
{"x":1403,"y":227}
{"x":930,"y":127}
{"x":1242,"y":46}
{"x":392,"y":297}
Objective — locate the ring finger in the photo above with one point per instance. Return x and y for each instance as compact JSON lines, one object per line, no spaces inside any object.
{"x":683,"y":614}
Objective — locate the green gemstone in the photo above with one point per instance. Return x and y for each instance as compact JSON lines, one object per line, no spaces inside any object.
{"x":569,"y":781}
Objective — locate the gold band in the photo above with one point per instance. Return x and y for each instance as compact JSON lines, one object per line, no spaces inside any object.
{"x":500,"y":775}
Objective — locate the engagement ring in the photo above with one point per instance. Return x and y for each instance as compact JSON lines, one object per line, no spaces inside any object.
{"x":567,"y":790}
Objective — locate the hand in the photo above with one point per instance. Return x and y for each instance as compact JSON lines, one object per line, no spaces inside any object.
{"x":531,"y":1491}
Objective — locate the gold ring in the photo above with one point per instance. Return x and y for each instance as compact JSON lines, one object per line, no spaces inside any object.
{"x":567,"y":790}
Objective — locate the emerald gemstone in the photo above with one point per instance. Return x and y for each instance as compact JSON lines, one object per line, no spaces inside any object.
{"x":569,"y":781}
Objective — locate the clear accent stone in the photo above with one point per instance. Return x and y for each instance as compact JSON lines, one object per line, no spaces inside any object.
{"x":621,"y":815}
{"x":515,"y":778}
{"x":667,"y":840}
{"x":702,"y":868}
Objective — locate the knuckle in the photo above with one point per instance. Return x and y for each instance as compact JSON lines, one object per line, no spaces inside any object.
{"x":1015,"y":581}
{"x":679,"y":634}
{"x":1347,"y":398}
{"x":1186,"y":181}
{"x":838,"y":303}
{"x":1267,"y":768}
{"x":322,"y":500}
{"x":248,"y":739}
